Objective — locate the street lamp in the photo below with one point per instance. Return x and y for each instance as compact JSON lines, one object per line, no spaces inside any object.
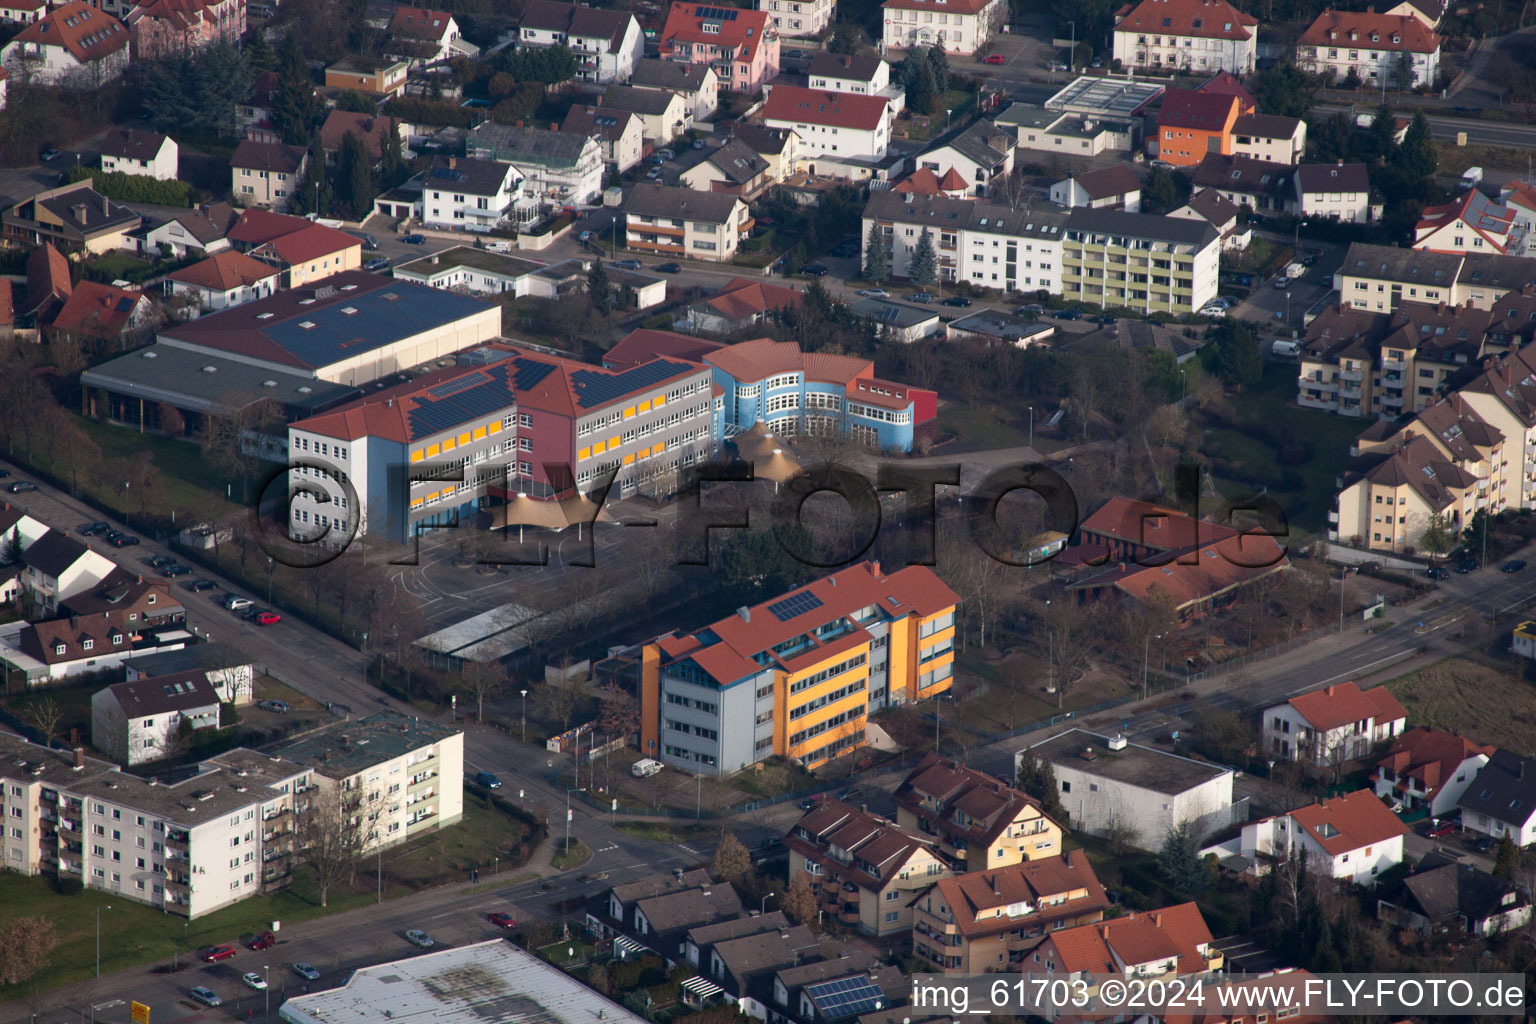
{"x":270,"y":567}
{"x":762,"y":904}
{"x":364,"y":650}
{"x":266,"y":992}
{"x":525,"y":716}
{"x":1031,"y":426}
{"x":1146,"y":648}
{"x":98,"y":938}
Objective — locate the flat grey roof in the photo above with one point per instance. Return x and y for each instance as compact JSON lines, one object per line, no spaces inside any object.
{"x":469,"y":256}
{"x":1134,"y":765}
{"x":1106,"y":96}
{"x":1000,"y":323}
{"x":171,"y":373}
{"x":490,"y":982}
{"x":491,"y":635}
{"x":1027,"y":115}
{"x":900,"y":314}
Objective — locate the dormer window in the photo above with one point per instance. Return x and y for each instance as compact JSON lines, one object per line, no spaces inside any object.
{"x":117,"y":638}
{"x":58,"y":648}
{"x":88,"y":644}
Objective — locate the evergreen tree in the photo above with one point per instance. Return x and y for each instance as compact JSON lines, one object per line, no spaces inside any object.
{"x":923,"y":95}
{"x":1383,"y":133}
{"x":1038,"y":779}
{"x":297,"y":109}
{"x":1506,"y":860}
{"x":354,"y":177}
{"x":355,"y":102}
{"x":259,"y":53}
{"x":1405,"y":71}
{"x":599,"y":288}
{"x":222,"y":78}
{"x":939,"y":61}
{"x":313,"y":192}
{"x":877,"y":269}
{"x":925,"y":262}
{"x":392,"y":170}
{"x":1180,"y":859}
{"x":1416,"y":156}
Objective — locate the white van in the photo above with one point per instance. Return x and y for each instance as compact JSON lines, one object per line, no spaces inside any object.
{"x":644,"y":767}
{"x":502,"y":247}
{"x":1289,"y":349}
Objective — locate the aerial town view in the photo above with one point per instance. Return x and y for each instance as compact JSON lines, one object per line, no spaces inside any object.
{"x":818,"y":511}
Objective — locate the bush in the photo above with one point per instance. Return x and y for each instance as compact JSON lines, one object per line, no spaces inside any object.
{"x":432,"y":112}
{"x":135,"y":188}
{"x":68,"y":886}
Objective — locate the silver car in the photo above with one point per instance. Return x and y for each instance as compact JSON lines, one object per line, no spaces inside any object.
{"x":419,"y":938}
{"x":205,"y":996}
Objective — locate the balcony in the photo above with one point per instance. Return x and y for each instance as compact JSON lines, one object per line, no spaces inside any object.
{"x":1333,"y":516}
{"x":70,"y":828}
{"x":180,"y":840}
{"x":275,"y":815}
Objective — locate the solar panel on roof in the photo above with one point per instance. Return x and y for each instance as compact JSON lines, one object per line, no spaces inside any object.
{"x":794,"y":606}
{"x":453,"y":387}
{"x":488,"y":395}
{"x":845,"y":997}
{"x":530,"y":373}
{"x":594,"y":387}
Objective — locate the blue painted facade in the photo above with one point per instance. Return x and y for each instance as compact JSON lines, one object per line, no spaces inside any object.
{"x":787,"y":403}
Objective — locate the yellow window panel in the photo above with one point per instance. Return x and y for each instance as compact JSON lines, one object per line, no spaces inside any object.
{"x":464,"y":438}
{"x":599,"y":447}
{"x":496,"y":426}
{"x":431,"y":451}
{"x":447,"y":491}
{"x":645,"y":406}
{"x":431,"y":496}
{"x":644,"y":453}
{"x":449,"y":444}
{"x":417,"y":455}
{"x":628,"y":459}
{"x":417,"y":503}
{"x":660,"y":401}
{"x":629,"y":413}
{"x":585,"y":453}
{"x":613,"y":442}
{"x":480,"y":434}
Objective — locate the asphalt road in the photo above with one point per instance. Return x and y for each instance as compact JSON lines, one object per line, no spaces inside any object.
{"x":1482,"y":133}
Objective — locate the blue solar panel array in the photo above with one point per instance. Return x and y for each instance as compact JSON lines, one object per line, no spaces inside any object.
{"x":594,"y":388}
{"x":530,"y":372}
{"x":716,"y":13}
{"x":794,"y":606}
{"x":485,"y":393}
{"x":380,"y":318}
{"x":845,"y":997}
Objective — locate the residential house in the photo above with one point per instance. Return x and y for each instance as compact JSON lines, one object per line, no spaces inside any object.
{"x":866,"y":870}
{"x":696,"y":84}
{"x":961,"y":27}
{"x":1380,"y":50}
{"x":558,"y":169}
{"x":835,"y":989}
{"x":792,"y":392}
{"x":1000,"y":327}
{"x":373,"y":75}
{"x":664,"y":115}
{"x":864,"y":74}
{"x":799,"y":18}
{"x":925,"y":184}
{"x":1191,"y":35}
{"x":73,"y":44}
{"x":224,"y":279}
{"x":1043,"y":130}
{"x":740,"y":303}
{"x":779,"y":146}
{"x":1220,"y":213}
{"x":1329,"y":726}
{"x":143,"y":603}
{"x":898,"y":321}
{"x":681,"y":222}
{"x":255,"y":111}
{"x":741,"y":45}
{"x":608,"y":43}
{"x":133,"y":151}
{"x":732,"y":168}
{"x":1111,"y":786}
{"x":103,"y":313}
{"x":22,"y":12}
{"x":134,"y":723}
{"x":744,"y":968}
{"x":913,"y":612}
{"x":1109,"y":188}
{"x":1261,"y":186}
{"x":1192,"y":124}
{"x":374,"y":131}
{"x":1447,"y":896}
{"x":1472,"y":223}
{"x":981,"y":152}
{"x":474,"y":270}
{"x":1144,"y":945}
{"x":74,"y":218}
{"x":1391,"y":505}
{"x":1510,"y":322}
{"x":986,"y":244}
{"x":200,"y":230}
{"x":1504,"y":395}
{"x":845,"y":126}
{"x":50,"y":650}
{"x":614,"y":912}
{"x":1430,"y":769}
{"x":57,"y":567}
{"x":664,"y":919}
{"x":230,"y":672}
{"x":1379,"y":277}
{"x":421,"y":37}
{"x":48,"y":284}
{"x":1485,"y":278}
{"x":1523,"y":639}
{"x":469,"y":195}
{"x":1349,"y":838}
{"x":987,"y":921}
{"x":1340,"y":192}
{"x":266,"y":173}
{"x":1501,"y":801}
{"x":1430,"y":12}
{"x":621,"y":133}
{"x":163,"y":27}
{"x":1270,"y":137}
{"x":976,"y":822}
{"x":1181,"y":270}
{"x":312,"y":253}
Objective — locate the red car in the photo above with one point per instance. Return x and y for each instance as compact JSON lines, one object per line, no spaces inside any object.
{"x":994,"y":58}
{"x":266,"y":940}
{"x":1441,"y":829}
{"x":501,"y":920}
{"x":268,"y":619}
{"x":213,"y":954}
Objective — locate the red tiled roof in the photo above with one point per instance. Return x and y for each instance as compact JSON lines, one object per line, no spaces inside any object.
{"x":420,"y":24}
{"x":1260,"y":992}
{"x":1116,"y":180}
{"x":256,"y":226}
{"x":41,"y":640}
{"x":1110,"y":947}
{"x":374,"y":131}
{"x":1203,"y":111}
{"x":98,"y":309}
{"x":741,"y":299}
{"x":643,"y":344}
{"x":741,"y":34}
{"x":924,"y":182}
{"x":1032,"y":883}
{"x":1226,"y":83}
{"x":88,"y":34}
{"x":1335,"y":27}
{"x":224,"y":271}
{"x":1154,"y":526}
{"x":816,"y":106}
{"x":1353,"y":821}
{"x":1208,"y":19}
{"x":47,"y":278}
{"x":1334,"y":706}
{"x":310,"y":243}
{"x":1428,"y":755}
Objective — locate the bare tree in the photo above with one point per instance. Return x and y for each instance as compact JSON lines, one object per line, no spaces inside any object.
{"x":26,"y":947}
{"x":560,"y":699}
{"x":330,"y":833}
{"x":1068,"y":628}
{"x":484,"y":679}
{"x":44,"y":714}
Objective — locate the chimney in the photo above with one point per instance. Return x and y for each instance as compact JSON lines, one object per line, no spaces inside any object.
{"x":554,"y":126}
{"x":874,"y":567}
{"x":79,"y":758}
{"x":79,"y":212}
{"x":745,"y":613}
{"x":104,"y":207}
{"x":453,"y":162}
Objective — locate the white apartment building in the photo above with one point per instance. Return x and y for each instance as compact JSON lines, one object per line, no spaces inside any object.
{"x":848,"y":126}
{"x":1378,"y":48}
{"x":1196,"y":35}
{"x":1270,"y":137}
{"x":468,"y":195}
{"x":1351,"y":838}
{"x":681,"y":222}
{"x":149,"y":154}
{"x":140,"y":721}
{"x":796,"y":18}
{"x":991,"y":246}
{"x":696,"y":84}
{"x":607,"y":43}
{"x":1340,"y":192}
{"x":960,"y":27}
{"x":558,"y":169}
{"x":265,"y":173}
{"x":862,"y":74}
{"x":1329,"y":726}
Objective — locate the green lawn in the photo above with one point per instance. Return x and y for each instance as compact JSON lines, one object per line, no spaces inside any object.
{"x":572,"y":856}
{"x":977,"y":427}
{"x":662,"y":832}
{"x":115,"y":265}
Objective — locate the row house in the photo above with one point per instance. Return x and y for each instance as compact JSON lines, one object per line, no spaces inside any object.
{"x":1351,"y":838}
{"x":1380,"y":277}
{"x":696,"y":85}
{"x":607,"y":43}
{"x":616,"y":912}
{"x":1428,"y":769}
{"x":1340,"y":191}
{"x":1270,"y":137}
{"x":1380,"y":49}
{"x":1460,"y":435}
{"x":667,"y":221}
{"x":742,"y":46}
{"x":1190,"y":35}
{"x":959,"y":27}
{"x":1326,"y":727}
{"x":976,"y":821}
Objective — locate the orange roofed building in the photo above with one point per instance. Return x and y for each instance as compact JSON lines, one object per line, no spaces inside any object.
{"x":1143,"y":551}
{"x":976,"y":821}
{"x":1351,"y":838}
{"x":741,"y":45}
{"x":1430,"y":769}
{"x":797,"y":676}
{"x":1173,"y":940}
{"x":1378,"y":48}
{"x":1193,"y":35}
{"x":1331,"y":725}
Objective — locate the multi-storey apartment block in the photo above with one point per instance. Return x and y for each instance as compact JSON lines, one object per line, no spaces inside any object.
{"x":1381,"y":49}
{"x":797,"y":676}
{"x":1379,"y":277}
{"x":956,"y":26}
{"x":681,"y":222}
{"x":1138,"y":261}
{"x":1193,"y":35}
{"x":742,"y":46}
{"x":988,"y":245}
{"x":976,"y":821}
{"x":796,"y":18}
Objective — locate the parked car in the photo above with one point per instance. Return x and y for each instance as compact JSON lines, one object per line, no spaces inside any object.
{"x":667,"y":154}
{"x":994,"y":58}
{"x":957,"y":300}
{"x":1466,"y":565}
{"x":414,"y":239}
{"x":1212,"y":310}
{"x":654,"y":174}
{"x":502,"y":919}
{"x":197,"y":586}
{"x":1106,"y":319}
{"x":254,"y":980}
{"x":50,"y":154}
{"x":205,"y":996}
{"x":807,"y":803}
{"x":122,"y":540}
{"x":235,"y":603}
{"x":1441,"y":829}
{"x":305,"y":971}
{"x":1097,"y":62}
{"x":875,"y":293}
{"x":92,"y":529}
{"x":266,"y":618}
{"x":1282,"y":283}
{"x":377,"y":264}
{"x":369,"y":242}
{"x":923,"y":297}
{"x":172,"y":572}
{"x":160,"y":561}
{"x":1162,"y":165}
{"x":627,"y":264}
{"x":487,"y":779}
{"x":698,"y":143}
{"x":262,"y":940}
{"x":796,"y":54}
{"x":213,"y":954}
{"x":1487,"y":844}
{"x":1033,"y":309}
{"x":1514,"y":565}
{"x":418,"y":937}
{"x":1068,"y":314}
{"x":1437,"y":572}
{"x":814,"y":270}
{"x":280,"y":707}
{"x":22,"y":485}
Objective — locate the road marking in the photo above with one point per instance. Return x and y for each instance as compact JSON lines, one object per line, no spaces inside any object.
{"x":1357,"y":670}
{"x":605,"y":849}
{"x":687,"y":849}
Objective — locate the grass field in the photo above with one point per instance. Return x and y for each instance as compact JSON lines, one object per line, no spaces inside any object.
{"x":979,"y":428}
{"x":1474,"y":700}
